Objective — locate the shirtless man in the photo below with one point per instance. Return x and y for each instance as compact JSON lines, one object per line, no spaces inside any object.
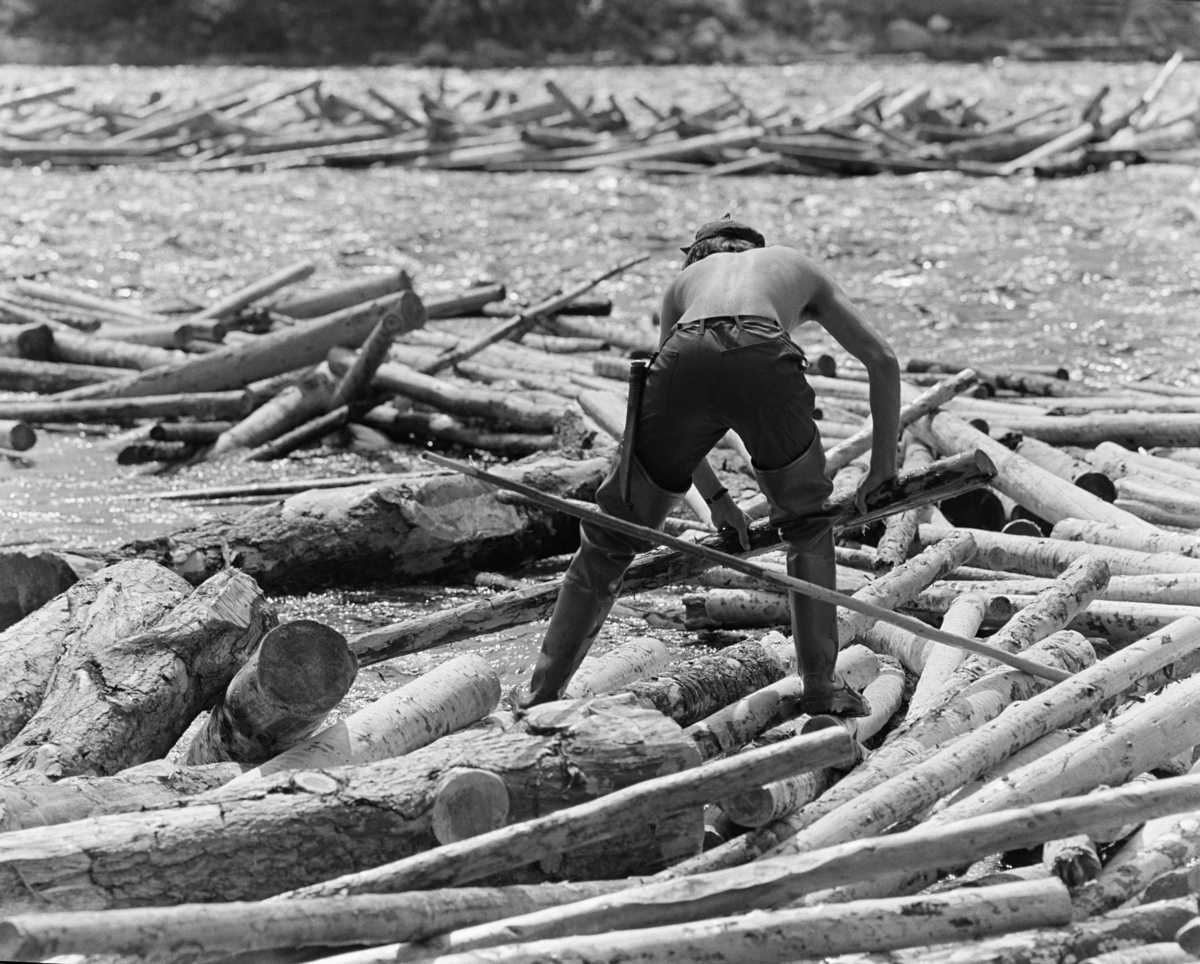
{"x":726,"y":361}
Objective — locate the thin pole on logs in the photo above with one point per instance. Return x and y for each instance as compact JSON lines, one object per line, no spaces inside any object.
{"x":525,"y":320}
{"x":715,"y":556}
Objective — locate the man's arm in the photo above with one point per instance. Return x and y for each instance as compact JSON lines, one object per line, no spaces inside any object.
{"x":831,"y":309}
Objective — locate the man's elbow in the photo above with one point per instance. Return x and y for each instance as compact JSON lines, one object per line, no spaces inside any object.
{"x":881,"y":361}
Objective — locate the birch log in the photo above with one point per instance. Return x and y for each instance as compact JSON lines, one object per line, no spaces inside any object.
{"x":901,"y":530}
{"x":1122,"y":537}
{"x":110,"y":704}
{"x":97,"y":613}
{"x":454,"y":695}
{"x":963,"y":618}
{"x":634,"y":659}
{"x":1039,"y":491}
{"x":299,"y":671}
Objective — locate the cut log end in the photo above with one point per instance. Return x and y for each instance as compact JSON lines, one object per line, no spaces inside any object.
{"x":306,"y":666}
{"x":468,"y":802}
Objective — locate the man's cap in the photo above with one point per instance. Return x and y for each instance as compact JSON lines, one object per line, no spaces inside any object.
{"x":727,"y":227}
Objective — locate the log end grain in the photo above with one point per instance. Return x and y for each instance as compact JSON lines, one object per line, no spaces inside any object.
{"x":305,"y":666}
{"x":468,"y":802}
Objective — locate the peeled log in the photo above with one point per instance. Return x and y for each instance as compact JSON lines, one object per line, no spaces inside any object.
{"x":1039,"y":491}
{"x":29,"y":582}
{"x":148,"y":786}
{"x":295,"y":676}
{"x":657,"y":568}
{"x":298,"y":828}
{"x":780,"y":936}
{"x":410,"y":527}
{"x":1049,"y":557}
{"x":632,"y":660}
{"x":95,"y":613}
{"x":112,"y":703}
{"x":454,"y":695}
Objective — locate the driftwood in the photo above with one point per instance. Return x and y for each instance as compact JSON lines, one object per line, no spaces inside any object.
{"x":456,"y":694}
{"x":98,"y":611}
{"x":112,"y":703}
{"x":298,"y":828}
{"x":298,"y":673}
{"x":28,"y":582}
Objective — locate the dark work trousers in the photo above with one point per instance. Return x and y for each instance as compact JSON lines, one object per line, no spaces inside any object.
{"x":710,"y":376}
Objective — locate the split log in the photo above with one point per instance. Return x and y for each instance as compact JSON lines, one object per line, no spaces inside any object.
{"x":344,"y":295}
{"x":291,"y":407}
{"x":28,"y":582}
{"x":70,"y":346}
{"x":408,"y":527}
{"x":239,"y":365}
{"x":596,"y":820}
{"x":33,"y":342}
{"x":778,"y":936}
{"x":1039,"y":491}
{"x":657,"y":568}
{"x":634,"y":659}
{"x":394,"y":422}
{"x":148,"y":786}
{"x":1049,"y":557}
{"x":16,"y":435}
{"x":1122,"y":537}
{"x":110,"y":704}
{"x":260,"y":926}
{"x":47,"y":377}
{"x":300,"y":827}
{"x":207,"y":405}
{"x":775,"y":881}
{"x":740,"y":722}
{"x":196,"y":433}
{"x":99,"y":611}
{"x":454,"y":695}
{"x":232,"y":303}
{"x":298,"y":672}
{"x":963,"y":619}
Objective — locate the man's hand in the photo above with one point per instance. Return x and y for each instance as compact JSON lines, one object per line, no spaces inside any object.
{"x":872,"y":482}
{"x":727,"y":515}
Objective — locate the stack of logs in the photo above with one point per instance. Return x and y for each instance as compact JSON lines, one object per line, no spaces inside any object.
{"x":665,"y":810}
{"x":299,"y":124}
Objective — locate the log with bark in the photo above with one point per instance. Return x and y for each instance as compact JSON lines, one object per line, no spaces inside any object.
{"x":392,"y":420}
{"x":299,"y":671}
{"x":205,"y":405}
{"x":28,"y":582}
{"x":410,"y":527}
{"x":291,"y":407}
{"x":301,"y":827}
{"x":99,"y":611}
{"x":27,"y":341}
{"x":234,"y":302}
{"x":47,"y":377}
{"x":452,"y":696}
{"x":407,"y":315}
{"x":657,"y":568}
{"x":111,"y":703}
{"x":344,"y":295}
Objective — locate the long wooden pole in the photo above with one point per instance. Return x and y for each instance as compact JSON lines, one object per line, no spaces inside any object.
{"x":790,"y":583}
{"x":525,"y":320}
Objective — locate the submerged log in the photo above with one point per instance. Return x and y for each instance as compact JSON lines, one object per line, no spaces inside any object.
{"x":658,"y":568}
{"x":410,"y":527}
{"x":452,"y":696}
{"x":107,"y":607}
{"x":298,"y":672}
{"x":110,"y":704}
{"x":28,"y":582}
{"x":301,"y":827}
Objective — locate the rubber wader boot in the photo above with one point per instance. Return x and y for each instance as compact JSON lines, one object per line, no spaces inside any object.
{"x":593,"y":581}
{"x":797,"y":493}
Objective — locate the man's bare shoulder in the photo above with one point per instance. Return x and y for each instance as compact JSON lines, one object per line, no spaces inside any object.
{"x":794,"y":258}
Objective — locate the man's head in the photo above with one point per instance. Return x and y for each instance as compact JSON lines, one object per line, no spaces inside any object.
{"x":723,"y":235}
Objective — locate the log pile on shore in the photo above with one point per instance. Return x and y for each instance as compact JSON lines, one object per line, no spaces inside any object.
{"x":301,"y":124}
{"x":669,"y":808}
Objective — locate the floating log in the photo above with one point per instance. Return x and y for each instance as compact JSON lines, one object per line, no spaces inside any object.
{"x":16,"y":435}
{"x":113,"y":604}
{"x":28,"y":582}
{"x":1131,"y":429}
{"x":1039,"y":491}
{"x":776,"y":881}
{"x":232,"y":303}
{"x":46,"y":377}
{"x":207,"y":405}
{"x":634,"y":659}
{"x":291,"y":407}
{"x":148,"y":786}
{"x":394,"y":422}
{"x":452,"y":696}
{"x":962,"y":618}
{"x":408,"y":527}
{"x":299,"y":671}
{"x":344,"y":295}
{"x":244,"y":926}
{"x":144,"y":452}
{"x":298,"y":828}
{"x":70,"y":346}
{"x":196,"y":433}
{"x":33,"y":342}
{"x":167,"y":334}
{"x":239,"y":365}
{"x":595,"y":820}
{"x":407,"y":315}
{"x":1049,"y":557}
{"x":648,"y":572}
{"x":106,"y":708}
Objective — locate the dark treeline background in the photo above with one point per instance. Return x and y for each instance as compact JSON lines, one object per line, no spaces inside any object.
{"x":505,"y":32}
